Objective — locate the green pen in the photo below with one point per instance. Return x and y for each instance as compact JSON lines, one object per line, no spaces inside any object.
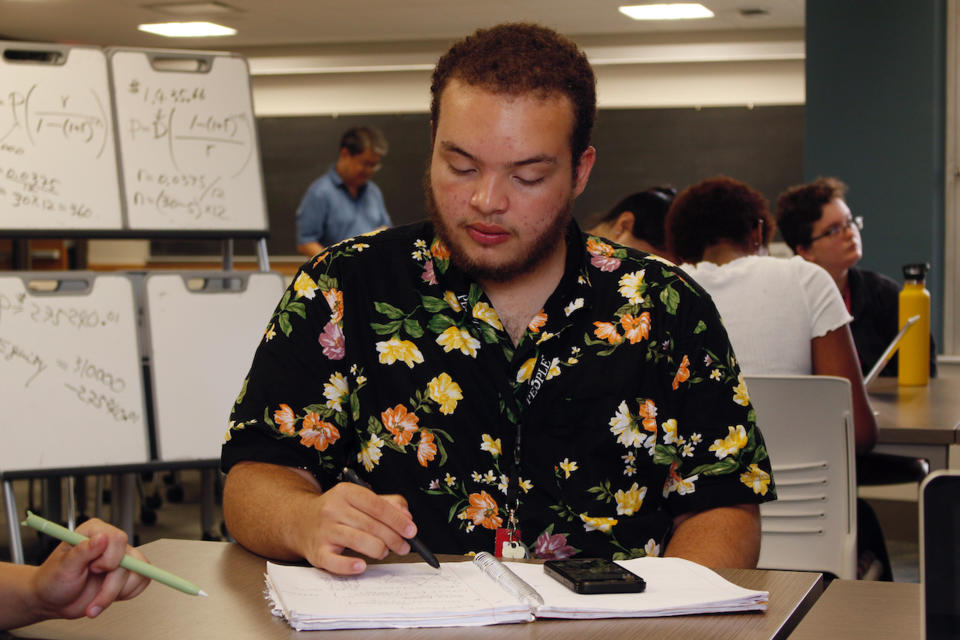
{"x":129,"y":562}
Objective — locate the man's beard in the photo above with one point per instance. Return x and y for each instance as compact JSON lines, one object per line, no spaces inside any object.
{"x":544,"y":244}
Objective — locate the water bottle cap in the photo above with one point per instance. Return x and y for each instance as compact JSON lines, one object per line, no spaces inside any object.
{"x":916,"y":271}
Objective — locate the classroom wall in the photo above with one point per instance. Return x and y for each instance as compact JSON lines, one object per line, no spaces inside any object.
{"x":695,"y":70}
{"x":875,"y":118}
{"x":652,"y":70}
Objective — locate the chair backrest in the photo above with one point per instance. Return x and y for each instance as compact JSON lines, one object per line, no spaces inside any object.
{"x":940,"y":555}
{"x":807,"y":423}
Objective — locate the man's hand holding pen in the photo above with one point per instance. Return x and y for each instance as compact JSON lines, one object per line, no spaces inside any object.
{"x":350,"y":516}
{"x":350,"y":476}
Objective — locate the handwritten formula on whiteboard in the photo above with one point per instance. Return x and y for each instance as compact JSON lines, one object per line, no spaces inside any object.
{"x":72,"y":384}
{"x":58,"y":166}
{"x":188,"y":142}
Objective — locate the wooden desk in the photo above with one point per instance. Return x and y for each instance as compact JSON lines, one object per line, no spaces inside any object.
{"x":918,"y":421}
{"x":236,"y":609}
{"x":863,"y":609}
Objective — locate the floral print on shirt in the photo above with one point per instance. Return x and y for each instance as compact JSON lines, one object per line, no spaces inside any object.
{"x":624,"y":391}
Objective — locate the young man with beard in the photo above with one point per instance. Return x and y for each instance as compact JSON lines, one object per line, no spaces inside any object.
{"x":495,"y":374}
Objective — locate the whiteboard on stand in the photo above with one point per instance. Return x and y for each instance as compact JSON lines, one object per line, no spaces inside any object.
{"x":58,"y":163}
{"x":187,"y":141}
{"x":203,"y":329}
{"x":72,"y":391}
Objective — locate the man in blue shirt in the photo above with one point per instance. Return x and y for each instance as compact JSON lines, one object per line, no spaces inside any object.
{"x":343,"y":202}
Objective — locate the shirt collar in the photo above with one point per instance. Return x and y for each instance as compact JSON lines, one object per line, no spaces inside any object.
{"x":338,"y":182}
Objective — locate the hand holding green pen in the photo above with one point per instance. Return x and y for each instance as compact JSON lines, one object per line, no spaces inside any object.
{"x":129,"y":562}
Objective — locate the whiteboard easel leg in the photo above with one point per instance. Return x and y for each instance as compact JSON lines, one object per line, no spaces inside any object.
{"x":13,"y":520}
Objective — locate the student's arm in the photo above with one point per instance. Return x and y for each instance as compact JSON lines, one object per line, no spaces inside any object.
{"x":73,"y":581}
{"x":720,"y":537}
{"x":282,"y":513}
{"x":834,"y":354}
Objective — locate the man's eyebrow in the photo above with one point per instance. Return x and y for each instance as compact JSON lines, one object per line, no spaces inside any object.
{"x":452,"y":148}
{"x":537,"y":159}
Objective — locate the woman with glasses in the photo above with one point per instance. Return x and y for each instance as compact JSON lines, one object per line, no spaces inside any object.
{"x":816,"y":222}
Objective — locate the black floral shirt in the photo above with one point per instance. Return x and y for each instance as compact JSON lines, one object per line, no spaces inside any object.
{"x":625,"y":391}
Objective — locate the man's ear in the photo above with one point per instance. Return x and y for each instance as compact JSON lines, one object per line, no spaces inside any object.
{"x":624,"y":224}
{"x":804,"y":252}
{"x":587,"y":158}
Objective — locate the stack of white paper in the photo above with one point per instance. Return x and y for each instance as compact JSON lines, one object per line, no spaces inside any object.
{"x":459,"y":594}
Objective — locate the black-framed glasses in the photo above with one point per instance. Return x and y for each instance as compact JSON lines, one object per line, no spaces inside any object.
{"x":835,"y":230}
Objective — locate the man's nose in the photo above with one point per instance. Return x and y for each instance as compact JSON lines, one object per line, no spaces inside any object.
{"x":489,"y":195}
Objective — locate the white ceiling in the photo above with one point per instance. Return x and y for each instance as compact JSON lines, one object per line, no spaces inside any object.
{"x":300,"y":22}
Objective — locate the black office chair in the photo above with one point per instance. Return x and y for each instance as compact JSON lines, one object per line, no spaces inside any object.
{"x":875,"y":468}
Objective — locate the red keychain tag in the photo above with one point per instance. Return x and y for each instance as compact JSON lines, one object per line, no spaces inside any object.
{"x":508,"y":545}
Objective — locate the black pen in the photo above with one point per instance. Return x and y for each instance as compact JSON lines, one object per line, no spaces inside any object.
{"x":351,"y":476}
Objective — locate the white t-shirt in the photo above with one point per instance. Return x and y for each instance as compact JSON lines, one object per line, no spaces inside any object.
{"x":772,"y":308}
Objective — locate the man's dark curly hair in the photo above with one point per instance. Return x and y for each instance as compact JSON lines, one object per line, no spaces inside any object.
{"x":713,"y":210}
{"x":800,"y":206}
{"x":520,"y":58}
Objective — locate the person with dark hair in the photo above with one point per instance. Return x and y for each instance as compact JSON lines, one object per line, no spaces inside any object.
{"x":637,"y":221}
{"x":344,"y":202}
{"x":783,"y":316}
{"x":817,"y":224}
{"x":74,"y":581}
{"x":501,"y":381}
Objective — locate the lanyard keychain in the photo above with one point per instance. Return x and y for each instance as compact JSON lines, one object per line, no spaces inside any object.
{"x":508,"y":542}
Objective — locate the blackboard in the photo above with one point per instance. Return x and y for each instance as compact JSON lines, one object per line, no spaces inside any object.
{"x":58,"y":166}
{"x":202,"y":328}
{"x":636,"y":148}
{"x":187,"y":142}
{"x":72,"y":387}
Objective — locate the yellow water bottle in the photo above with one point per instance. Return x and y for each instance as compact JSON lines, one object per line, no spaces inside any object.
{"x":913,"y":368}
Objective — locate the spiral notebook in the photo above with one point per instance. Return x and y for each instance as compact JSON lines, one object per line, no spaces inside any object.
{"x":488,"y":591}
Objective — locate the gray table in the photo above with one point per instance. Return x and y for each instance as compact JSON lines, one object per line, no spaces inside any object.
{"x":863,"y":609}
{"x":919,"y":421}
{"x":236,"y":609}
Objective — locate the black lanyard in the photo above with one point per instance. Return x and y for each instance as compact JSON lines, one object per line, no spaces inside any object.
{"x":513,"y":481}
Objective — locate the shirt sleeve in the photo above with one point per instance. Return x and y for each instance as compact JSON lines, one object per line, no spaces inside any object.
{"x":827,"y":309}
{"x":311,"y":216}
{"x":294,"y":406}
{"x":717,"y":455}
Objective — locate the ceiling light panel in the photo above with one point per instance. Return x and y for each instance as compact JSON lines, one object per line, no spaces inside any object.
{"x":666,"y":11}
{"x":187,"y":29}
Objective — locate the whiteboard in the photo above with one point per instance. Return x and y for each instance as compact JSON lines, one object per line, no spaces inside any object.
{"x":188,"y":146}
{"x":200,"y":346}
{"x":58,"y":164}
{"x":72,"y":389}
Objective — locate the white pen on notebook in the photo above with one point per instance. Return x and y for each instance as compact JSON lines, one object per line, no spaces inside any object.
{"x":507,"y":579}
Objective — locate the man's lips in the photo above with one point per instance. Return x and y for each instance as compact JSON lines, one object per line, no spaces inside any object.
{"x":487,"y":234}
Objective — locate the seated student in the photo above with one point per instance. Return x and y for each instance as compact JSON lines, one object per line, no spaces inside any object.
{"x":73,"y":581}
{"x":783,"y":316}
{"x":816,"y":222}
{"x":493,"y":371}
{"x":637,"y":221}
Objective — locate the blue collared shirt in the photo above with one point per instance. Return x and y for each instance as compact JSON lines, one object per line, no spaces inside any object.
{"x":328,"y":214}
